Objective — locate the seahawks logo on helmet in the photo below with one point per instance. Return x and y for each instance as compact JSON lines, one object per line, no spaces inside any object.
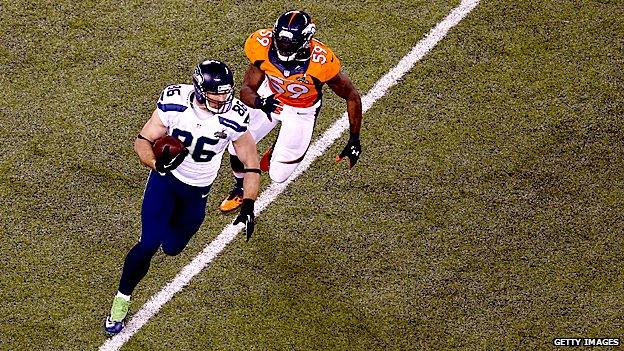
{"x":197,"y":76}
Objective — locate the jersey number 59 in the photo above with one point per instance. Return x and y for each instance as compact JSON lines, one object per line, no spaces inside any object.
{"x":280,"y":87}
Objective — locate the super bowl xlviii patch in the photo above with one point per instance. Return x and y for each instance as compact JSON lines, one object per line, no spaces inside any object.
{"x":303,"y":80}
{"x":221,"y":134}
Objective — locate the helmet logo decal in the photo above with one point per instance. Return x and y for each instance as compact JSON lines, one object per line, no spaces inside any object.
{"x":198,"y":78}
{"x":310,"y":29}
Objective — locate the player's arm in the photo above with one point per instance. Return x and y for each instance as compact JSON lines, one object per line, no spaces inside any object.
{"x":246,"y":150}
{"x":245,"y":147}
{"x":343,"y":87}
{"x":152,"y":130}
{"x":252,"y":81}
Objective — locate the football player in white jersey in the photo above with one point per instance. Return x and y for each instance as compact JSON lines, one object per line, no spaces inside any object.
{"x":206,"y":117}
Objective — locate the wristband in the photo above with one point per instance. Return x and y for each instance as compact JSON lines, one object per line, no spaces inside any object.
{"x":258,"y":102}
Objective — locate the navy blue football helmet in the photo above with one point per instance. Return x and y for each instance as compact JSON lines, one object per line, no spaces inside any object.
{"x":292,"y":34}
{"x":213,"y":77}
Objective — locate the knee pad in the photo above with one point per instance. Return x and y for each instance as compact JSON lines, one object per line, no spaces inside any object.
{"x":278,"y":174}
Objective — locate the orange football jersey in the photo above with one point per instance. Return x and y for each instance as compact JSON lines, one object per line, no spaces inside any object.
{"x":300,"y":86}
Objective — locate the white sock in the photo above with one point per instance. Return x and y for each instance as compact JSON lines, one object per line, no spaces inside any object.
{"x":125,"y":297}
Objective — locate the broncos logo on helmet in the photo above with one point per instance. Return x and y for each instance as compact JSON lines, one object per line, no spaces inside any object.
{"x":292,"y":34}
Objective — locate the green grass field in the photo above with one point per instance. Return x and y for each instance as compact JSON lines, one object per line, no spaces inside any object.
{"x":486,"y":211}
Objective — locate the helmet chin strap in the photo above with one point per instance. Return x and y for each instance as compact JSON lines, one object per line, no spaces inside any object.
{"x":291,"y":58}
{"x":286,"y":58}
{"x":204,"y":104}
{"x":210,"y":109}
{"x":225,"y":107}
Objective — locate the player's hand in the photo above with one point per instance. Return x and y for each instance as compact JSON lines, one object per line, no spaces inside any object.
{"x":269,"y":104}
{"x":246,"y":216}
{"x":166,"y":163}
{"x":352,"y":150}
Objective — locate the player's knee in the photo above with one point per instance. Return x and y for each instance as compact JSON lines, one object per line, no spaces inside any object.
{"x":278,"y":176}
{"x":172,"y":250}
{"x":145,"y":248}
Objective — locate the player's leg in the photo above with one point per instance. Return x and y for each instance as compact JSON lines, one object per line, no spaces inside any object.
{"x":235,"y":198}
{"x":259,"y":127}
{"x":188,"y":216}
{"x":292,"y":142}
{"x":156,"y":209}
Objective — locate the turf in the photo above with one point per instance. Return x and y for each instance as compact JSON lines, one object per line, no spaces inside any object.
{"x":485,"y":213}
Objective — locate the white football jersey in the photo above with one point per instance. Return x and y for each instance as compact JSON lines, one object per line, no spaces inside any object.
{"x":205,"y":134}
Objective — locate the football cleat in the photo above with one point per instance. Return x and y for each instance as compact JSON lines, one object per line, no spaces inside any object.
{"x":233,"y":201}
{"x":112,"y":328}
{"x":115,"y":321}
{"x":265,"y":161}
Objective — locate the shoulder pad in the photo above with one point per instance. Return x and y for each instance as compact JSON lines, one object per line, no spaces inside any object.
{"x":257,"y":45}
{"x":324,"y":64}
{"x":237,"y":118}
{"x":175,"y":98}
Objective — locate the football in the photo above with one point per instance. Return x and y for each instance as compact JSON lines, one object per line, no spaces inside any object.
{"x":175,"y":146}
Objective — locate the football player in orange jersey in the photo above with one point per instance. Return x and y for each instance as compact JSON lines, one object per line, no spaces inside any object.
{"x":286,"y":73}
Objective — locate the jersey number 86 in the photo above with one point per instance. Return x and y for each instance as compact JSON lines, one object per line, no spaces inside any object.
{"x":199,"y":154}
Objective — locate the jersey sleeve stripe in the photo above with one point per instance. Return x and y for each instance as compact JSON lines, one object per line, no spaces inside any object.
{"x":171,"y":107}
{"x":232,"y":125}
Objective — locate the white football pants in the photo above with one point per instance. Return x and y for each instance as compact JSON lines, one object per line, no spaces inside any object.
{"x":293,"y":139}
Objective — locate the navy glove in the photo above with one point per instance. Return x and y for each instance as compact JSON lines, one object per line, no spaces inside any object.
{"x":166,"y":163}
{"x":269,"y":104}
{"x":352,"y":150}
{"x":246,"y":216}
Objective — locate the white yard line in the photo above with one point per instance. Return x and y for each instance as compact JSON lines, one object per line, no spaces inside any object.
{"x":228,"y":234}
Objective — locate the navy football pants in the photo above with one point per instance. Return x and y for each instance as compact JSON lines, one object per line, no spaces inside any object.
{"x":171,"y":214}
